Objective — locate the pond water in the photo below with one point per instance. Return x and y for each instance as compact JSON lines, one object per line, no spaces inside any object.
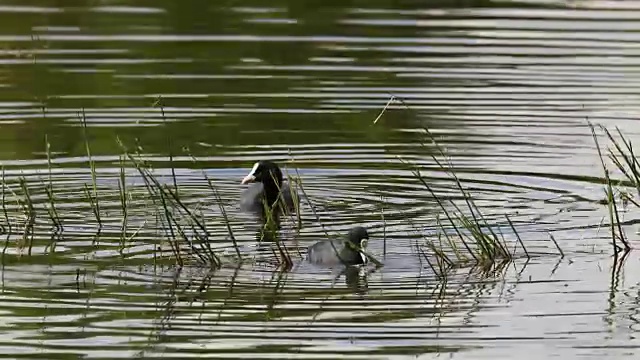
{"x":204,"y":89}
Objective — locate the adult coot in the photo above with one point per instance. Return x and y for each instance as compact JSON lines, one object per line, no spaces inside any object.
{"x":267,"y":188}
{"x":340,"y":251}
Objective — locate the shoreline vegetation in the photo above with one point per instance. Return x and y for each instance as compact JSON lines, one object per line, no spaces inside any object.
{"x":464,"y":236}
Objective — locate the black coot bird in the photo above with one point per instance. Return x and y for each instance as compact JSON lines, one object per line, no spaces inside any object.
{"x":340,"y":251}
{"x":267,"y":188}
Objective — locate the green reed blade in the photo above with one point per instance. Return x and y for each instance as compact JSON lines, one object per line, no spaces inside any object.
{"x":52,"y":210}
{"x":31,"y":215}
{"x":513,"y":228}
{"x":95,"y":200}
{"x":557,"y":246}
{"x":4,"y":202}
{"x":122,"y":191}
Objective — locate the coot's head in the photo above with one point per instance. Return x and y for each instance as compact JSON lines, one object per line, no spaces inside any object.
{"x":266,"y":172}
{"x":359,"y":237}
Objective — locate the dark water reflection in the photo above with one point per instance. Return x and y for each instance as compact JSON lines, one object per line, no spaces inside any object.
{"x":556,"y":307}
{"x":505,"y":86}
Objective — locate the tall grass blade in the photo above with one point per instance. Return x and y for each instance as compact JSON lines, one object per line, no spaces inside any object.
{"x":160,"y":103}
{"x":513,"y":228}
{"x":30,"y":213}
{"x":94,"y":198}
{"x":122,"y":191}
{"x":557,"y":246}
{"x":52,"y":210}
{"x":6,"y":214}
{"x":4,"y":201}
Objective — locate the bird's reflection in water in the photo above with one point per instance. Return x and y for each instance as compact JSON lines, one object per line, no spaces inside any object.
{"x":356,"y":279}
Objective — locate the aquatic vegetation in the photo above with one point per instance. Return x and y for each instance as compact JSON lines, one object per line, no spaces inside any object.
{"x":463,"y":237}
{"x":624,"y":159}
{"x":464,"y":234}
{"x":468,"y":236}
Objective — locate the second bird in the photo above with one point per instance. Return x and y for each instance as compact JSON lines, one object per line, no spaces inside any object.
{"x":341,"y":251}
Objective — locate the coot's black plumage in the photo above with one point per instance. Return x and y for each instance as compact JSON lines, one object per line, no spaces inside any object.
{"x":340,"y":251}
{"x":267,"y":188}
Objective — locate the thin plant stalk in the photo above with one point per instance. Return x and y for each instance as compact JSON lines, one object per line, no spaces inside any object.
{"x":384,"y":109}
{"x":313,"y":210}
{"x":170,"y":147}
{"x":225,"y":217}
{"x":122,"y":191}
{"x":154,"y":194}
{"x":30,"y":213}
{"x":628,"y":156}
{"x":222,"y":210}
{"x":192,"y":217}
{"x":6,"y":214}
{"x":418,"y":175}
{"x":52,"y":210}
{"x":426,"y":257}
{"x":94,"y":206}
{"x":169,"y":218}
{"x":513,"y":228}
{"x":182,"y":234}
{"x":557,"y":246}
{"x":488,"y":242}
{"x":95,"y":202}
{"x":293,"y":193}
{"x":384,"y":227}
{"x":452,"y":244}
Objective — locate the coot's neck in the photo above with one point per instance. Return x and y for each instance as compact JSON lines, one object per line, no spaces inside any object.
{"x":359,"y":258}
{"x":272,"y":185}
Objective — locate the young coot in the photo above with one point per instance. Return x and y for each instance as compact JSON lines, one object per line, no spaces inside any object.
{"x":340,"y":251}
{"x":266,"y":185}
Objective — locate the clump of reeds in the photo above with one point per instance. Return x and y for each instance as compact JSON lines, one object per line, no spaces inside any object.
{"x":184,"y":227}
{"x":464,"y":235}
{"x":482,"y":241}
{"x":218,"y":198}
{"x":180,"y":222}
{"x":171,"y":209}
{"x":624,"y":159}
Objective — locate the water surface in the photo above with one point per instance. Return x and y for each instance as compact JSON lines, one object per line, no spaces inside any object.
{"x":505,"y":86}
